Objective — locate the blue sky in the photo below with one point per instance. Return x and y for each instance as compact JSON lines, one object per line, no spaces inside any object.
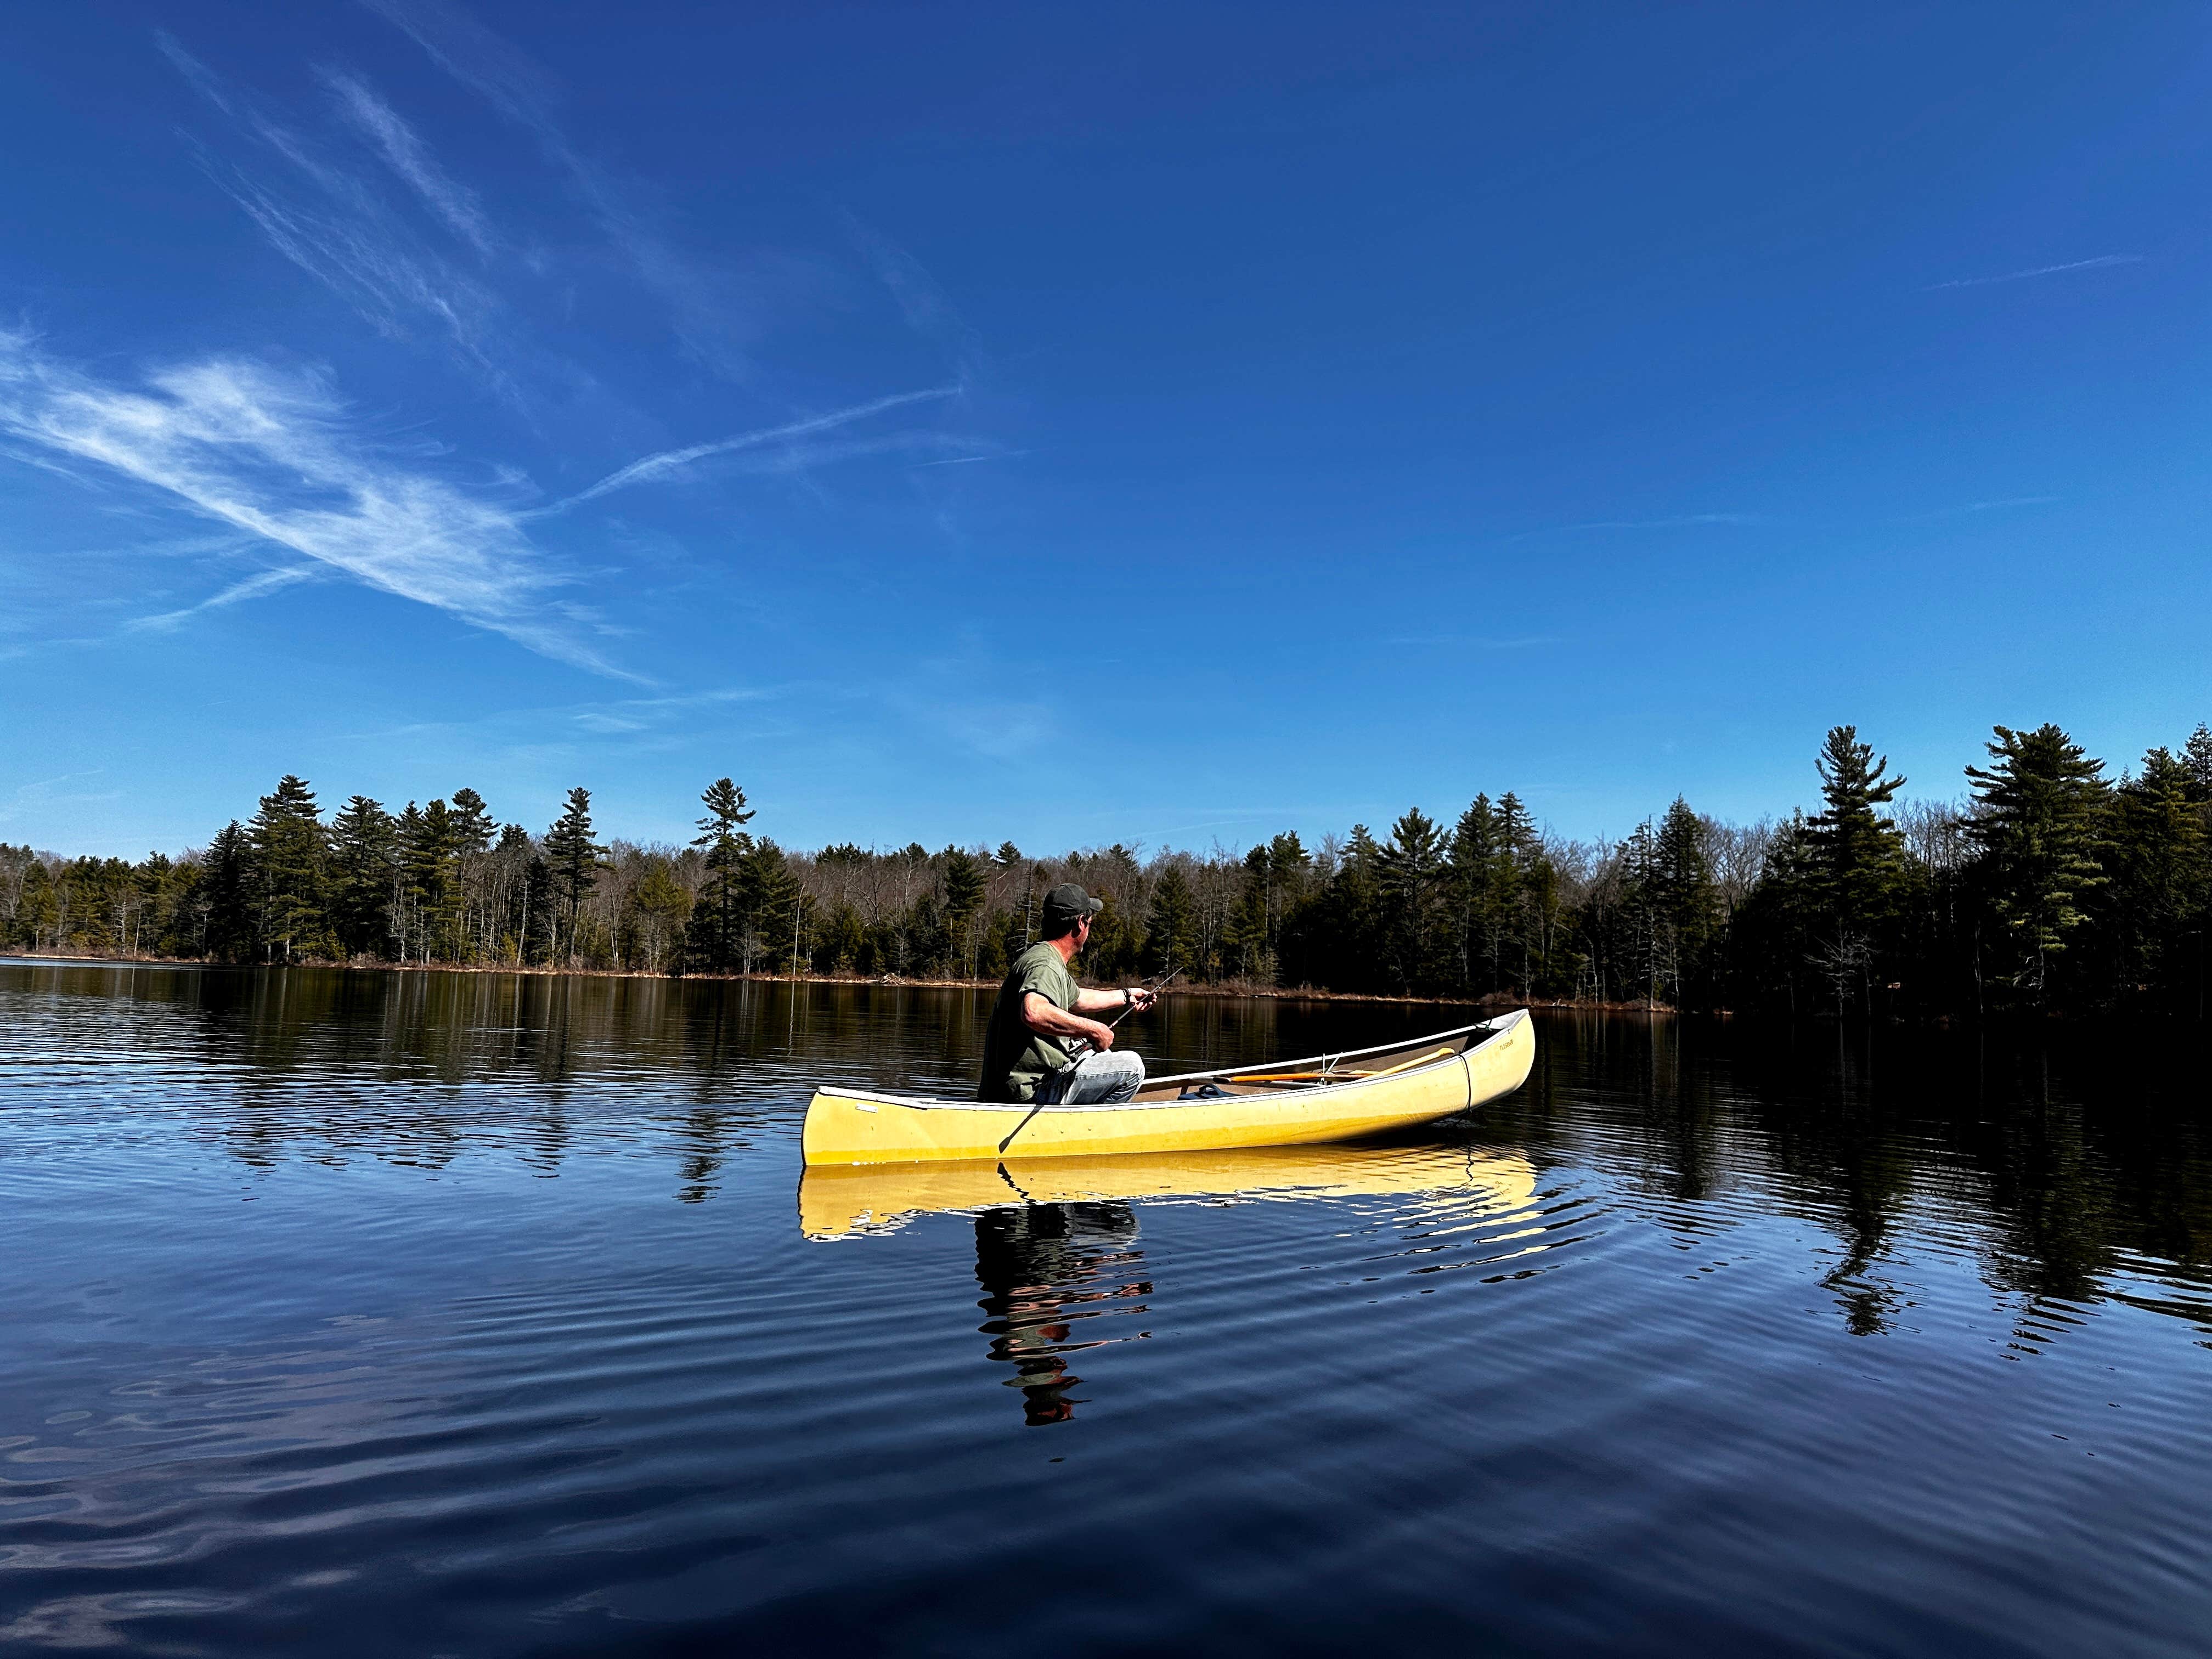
{"x":1160,"y":424}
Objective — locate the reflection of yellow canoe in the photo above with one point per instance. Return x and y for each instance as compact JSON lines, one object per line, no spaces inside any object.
{"x":841,"y":1200}
{"x":1281,"y":1103}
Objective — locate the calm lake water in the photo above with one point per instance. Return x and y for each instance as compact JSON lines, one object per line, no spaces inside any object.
{"x":368,"y":1313}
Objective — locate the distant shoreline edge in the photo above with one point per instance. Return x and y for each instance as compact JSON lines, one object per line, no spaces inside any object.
{"x":1228,"y":990}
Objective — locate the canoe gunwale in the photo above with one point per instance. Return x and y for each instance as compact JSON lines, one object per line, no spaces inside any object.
{"x":1492,"y":1028}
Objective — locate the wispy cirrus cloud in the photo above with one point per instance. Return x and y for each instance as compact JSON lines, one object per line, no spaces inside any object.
{"x":717,"y":311}
{"x":477,"y":59}
{"x":355,"y":255}
{"x":653,"y":467}
{"x":332,"y":223}
{"x":2100,"y":263}
{"x":411,"y":158}
{"x":275,"y":456}
{"x":203,"y":80}
{"x":928,"y":310}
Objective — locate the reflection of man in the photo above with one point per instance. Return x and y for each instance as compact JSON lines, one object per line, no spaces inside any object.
{"x":1040,"y":1012}
{"x":1039,"y":1266}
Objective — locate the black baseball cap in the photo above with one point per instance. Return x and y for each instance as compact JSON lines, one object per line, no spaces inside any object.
{"x":1070,"y":903}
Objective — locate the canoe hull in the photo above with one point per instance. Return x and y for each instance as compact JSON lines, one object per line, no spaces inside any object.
{"x":849,"y":1127}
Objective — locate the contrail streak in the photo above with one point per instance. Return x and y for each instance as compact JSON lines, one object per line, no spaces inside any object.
{"x":654,"y":466}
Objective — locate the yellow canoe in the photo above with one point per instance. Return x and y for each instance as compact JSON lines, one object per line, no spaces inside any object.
{"x":1283,"y":1103}
{"x":1453,"y":1184}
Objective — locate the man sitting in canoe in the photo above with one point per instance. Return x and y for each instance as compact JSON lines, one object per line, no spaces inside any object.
{"x":1032,"y":1052}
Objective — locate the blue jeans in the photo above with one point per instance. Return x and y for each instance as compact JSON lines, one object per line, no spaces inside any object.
{"x":1095,"y":1080}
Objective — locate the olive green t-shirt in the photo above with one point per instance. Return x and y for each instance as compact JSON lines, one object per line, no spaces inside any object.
{"x":1015,"y":1058}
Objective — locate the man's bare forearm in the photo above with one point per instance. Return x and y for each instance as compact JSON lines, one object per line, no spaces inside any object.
{"x":1039,"y":1014}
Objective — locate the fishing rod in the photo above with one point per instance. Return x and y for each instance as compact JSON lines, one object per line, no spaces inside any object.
{"x":1158,"y":983}
{"x":1155,"y":984}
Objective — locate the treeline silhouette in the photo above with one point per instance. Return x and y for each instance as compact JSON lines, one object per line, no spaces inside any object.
{"x":2048,"y":885}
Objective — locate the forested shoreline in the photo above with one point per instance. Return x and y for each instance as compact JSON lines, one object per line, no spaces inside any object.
{"x":2046,"y":886}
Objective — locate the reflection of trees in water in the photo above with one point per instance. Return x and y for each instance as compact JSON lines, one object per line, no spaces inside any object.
{"x":2166,"y":1180}
{"x":314,"y":1056}
{"x":2054,"y":1201}
{"x":1680,"y":1129}
{"x":2071,"y":1165}
{"x":1662,"y":1065}
{"x":1660,"y":1069}
{"x":1041,"y":1267}
{"x":2083,"y":1156}
{"x":708,"y":1137}
{"x":2081,"y":1147}
{"x":1829,"y":1129}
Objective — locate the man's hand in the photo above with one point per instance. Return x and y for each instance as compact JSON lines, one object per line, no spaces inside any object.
{"x":1101,"y":1036}
{"x":1141,"y":997}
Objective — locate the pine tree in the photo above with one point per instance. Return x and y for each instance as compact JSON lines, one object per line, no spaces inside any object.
{"x":1783,"y":915}
{"x":965,"y":882}
{"x":574,"y":859}
{"x":408,"y":906}
{"x":227,"y":925}
{"x":1643,"y":936}
{"x":1526,"y":894}
{"x":2197,"y":759}
{"x":473,"y":828}
{"x":1288,"y":869}
{"x":1411,"y":871}
{"x":151,"y":893}
{"x":770,"y":902}
{"x":1474,"y":849}
{"x":719,"y":921}
{"x":1171,"y":926}
{"x":429,"y":848}
{"x":2154,"y":911}
{"x":42,"y":910}
{"x":540,"y":912}
{"x":1683,"y":874}
{"x":363,"y":839}
{"x":2036,"y":821}
{"x":659,"y":904}
{"x":1861,"y":860}
{"x":1353,"y":918}
{"x":1247,"y":937}
{"x":288,"y":858}
{"x":1862,"y":855}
